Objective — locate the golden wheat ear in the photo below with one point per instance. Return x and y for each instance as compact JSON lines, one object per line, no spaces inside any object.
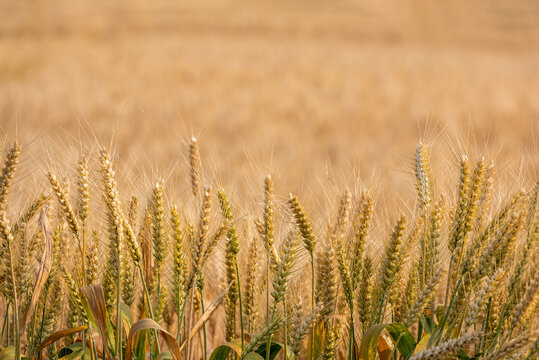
{"x":195,"y":167}
{"x":231,"y":266}
{"x":304,"y":224}
{"x":423,"y":177}
{"x":8,"y":171}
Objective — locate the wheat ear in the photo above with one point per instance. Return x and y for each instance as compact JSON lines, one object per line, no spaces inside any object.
{"x":448,"y":347}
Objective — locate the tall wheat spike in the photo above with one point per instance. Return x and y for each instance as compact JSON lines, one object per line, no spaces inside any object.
{"x":389,"y":265}
{"x":423,"y":177}
{"x":194,"y":161}
{"x":179,"y":277}
{"x":158,"y":233}
{"x":6,"y":236}
{"x":231,"y":266}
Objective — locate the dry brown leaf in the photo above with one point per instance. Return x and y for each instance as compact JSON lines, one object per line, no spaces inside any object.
{"x":96,"y":301}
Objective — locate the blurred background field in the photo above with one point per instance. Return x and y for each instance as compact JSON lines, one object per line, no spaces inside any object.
{"x":321,"y":94}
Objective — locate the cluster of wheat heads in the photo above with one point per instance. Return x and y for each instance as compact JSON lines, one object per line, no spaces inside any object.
{"x":124,"y":280}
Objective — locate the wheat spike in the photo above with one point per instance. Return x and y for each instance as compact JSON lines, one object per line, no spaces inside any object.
{"x":300,"y":328}
{"x":423,"y":177}
{"x":251,"y":288}
{"x":203,"y":226}
{"x":448,"y":347}
{"x":530,"y":296}
{"x":341,"y":222}
{"x":283,"y":268}
{"x":8,"y":171}
{"x":7,"y":237}
{"x":83,"y":189}
{"x":426,"y":294}
{"x":512,"y":346}
{"x":92,"y":260}
{"x":61,"y":196}
{"x":232,"y":249}
{"x":390,"y":266}
{"x":331,"y":343}
{"x":304,"y":224}
{"x":194,"y":162}
{"x":458,"y":230}
{"x":361,"y":224}
{"x":364,"y":294}
{"x":326,"y":283}
{"x":30,"y":212}
{"x":180,"y":261}
{"x":158,"y":230}
{"x":269,"y":213}
{"x":346,"y":277}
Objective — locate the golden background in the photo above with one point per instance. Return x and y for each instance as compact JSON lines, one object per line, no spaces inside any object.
{"x":317,"y":93}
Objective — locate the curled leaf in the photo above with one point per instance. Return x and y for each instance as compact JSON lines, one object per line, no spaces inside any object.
{"x":145,"y":324}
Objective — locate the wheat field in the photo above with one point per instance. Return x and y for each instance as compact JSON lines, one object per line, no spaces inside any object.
{"x":263,"y":179}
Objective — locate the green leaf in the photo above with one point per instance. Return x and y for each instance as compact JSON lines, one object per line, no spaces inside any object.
{"x":127,"y":316}
{"x":111,"y":336}
{"x":253,"y":356}
{"x":7,"y":353}
{"x":275,"y":348}
{"x":428,"y":324}
{"x":74,"y":351}
{"x":75,"y":355}
{"x":222,"y":352}
{"x":402,"y":339}
{"x":65,"y":351}
{"x":440,"y":313}
{"x":461,"y":354}
{"x":139,"y":348}
{"x":400,"y":335}
{"x":369,"y":342}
